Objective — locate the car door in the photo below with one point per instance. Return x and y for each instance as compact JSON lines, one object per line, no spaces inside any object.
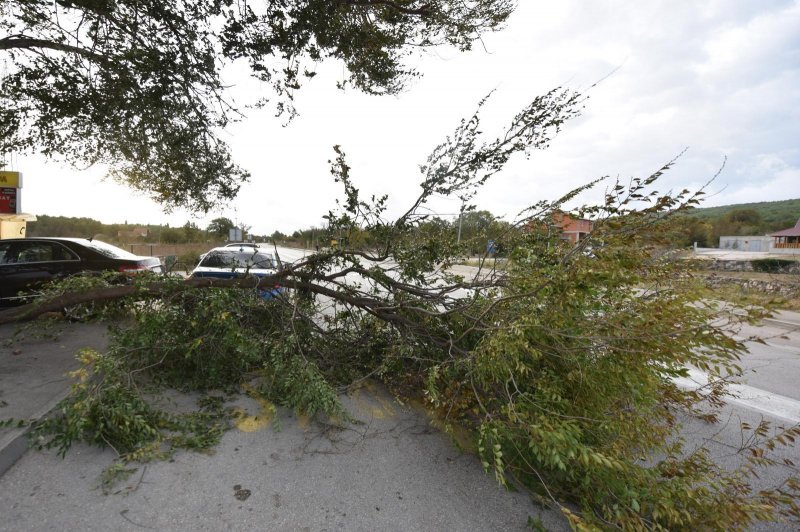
{"x":30,"y":264}
{"x":10,"y":282}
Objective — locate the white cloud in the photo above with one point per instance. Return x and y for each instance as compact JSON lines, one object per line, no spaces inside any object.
{"x":768,"y":174}
{"x":759,"y":47}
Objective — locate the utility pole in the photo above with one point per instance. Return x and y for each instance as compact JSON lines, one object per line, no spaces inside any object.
{"x":460,"y":217}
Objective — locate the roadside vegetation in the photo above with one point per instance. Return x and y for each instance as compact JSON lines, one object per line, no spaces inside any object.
{"x":474,"y":227}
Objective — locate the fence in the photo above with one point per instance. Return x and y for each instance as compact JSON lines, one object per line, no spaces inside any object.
{"x":163,"y":251}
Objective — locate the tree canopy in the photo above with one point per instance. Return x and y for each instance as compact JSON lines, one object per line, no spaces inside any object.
{"x":220,"y":227}
{"x":138,"y":85}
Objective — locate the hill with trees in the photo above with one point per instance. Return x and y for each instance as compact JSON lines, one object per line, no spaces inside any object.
{"x":775,"y":215}
{"x":706,"y":225}
{"x":123,"y":233}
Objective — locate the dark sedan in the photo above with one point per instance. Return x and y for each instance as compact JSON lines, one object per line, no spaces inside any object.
{"x":28,"y":263}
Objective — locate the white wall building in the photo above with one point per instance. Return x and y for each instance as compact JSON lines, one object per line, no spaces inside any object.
{"x":746,"y":243}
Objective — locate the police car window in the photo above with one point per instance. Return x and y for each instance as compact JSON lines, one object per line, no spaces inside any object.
{"x":237,"y":259}
{"x":43,"y":252}
{"x":215,"y":259}
{"x":255,"y":260}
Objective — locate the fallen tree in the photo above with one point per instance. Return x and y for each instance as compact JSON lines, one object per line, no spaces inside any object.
{"x":561,"y":364}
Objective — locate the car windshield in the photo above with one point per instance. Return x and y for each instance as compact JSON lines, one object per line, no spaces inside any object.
{"x":107,"y":250}
{"x":234,"y":258}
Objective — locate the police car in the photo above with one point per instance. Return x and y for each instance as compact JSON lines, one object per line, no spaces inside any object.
{"x":233,"y":262}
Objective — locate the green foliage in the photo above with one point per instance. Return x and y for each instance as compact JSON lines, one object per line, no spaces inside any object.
{"x":187,"y":261}
{"x":194,"y":340}
{"x":564,"y":369}
{"x":102,"y":410}
{"x":71,"y":227}
{"x":106,"y":408}
{"x":574,"y":387}
{"x":737,"y":222}
{"x":65,"y":226}
{"x":750,"y":217}
{"x":86,"y":283}
{"x":137,"y":84}
{"x":706,"y":225}
{"x":476,"y":228}
{"x":199,"y":340}
{"x":220,"y":227}
{"x":296,"y":382}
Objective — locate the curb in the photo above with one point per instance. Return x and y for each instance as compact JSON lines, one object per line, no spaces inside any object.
{"x":787,"y":325}
{"x":15,"y":444}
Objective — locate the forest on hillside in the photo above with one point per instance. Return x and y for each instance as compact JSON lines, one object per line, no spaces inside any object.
{"x":473,"y":230}
{"x":701,"y":225}
{"x":119,"y":233}
{"x":775,"y":214}
{"x":706,"y":225}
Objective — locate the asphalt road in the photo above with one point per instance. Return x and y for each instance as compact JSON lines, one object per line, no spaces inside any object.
{"x":771,"y":368}
{"x":391,"y":471}
{"x":766,"y":391}
{"x":773,"y":365}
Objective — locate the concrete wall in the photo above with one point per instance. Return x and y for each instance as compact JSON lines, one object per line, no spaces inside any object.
{"x":746,"y":243}
{"x":785,"y":251}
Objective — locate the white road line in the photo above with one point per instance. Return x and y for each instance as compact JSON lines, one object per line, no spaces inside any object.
{"x":770,"y":403}
{"x":792,"y":350}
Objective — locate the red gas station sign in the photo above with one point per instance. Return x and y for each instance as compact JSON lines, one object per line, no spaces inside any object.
{"x":9,"y":200}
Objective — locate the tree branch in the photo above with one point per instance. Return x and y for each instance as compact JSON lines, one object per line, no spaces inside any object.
{"x":423,"y":11}
{"x":15,"y":42}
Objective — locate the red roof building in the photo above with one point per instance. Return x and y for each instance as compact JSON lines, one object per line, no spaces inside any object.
{"x":788,"y":238}
{"x":572,"y":229}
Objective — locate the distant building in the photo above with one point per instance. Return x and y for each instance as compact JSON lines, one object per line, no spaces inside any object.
{"x":787,"y":239}
{"x":134,"y":234}
{"x":746,"y":243}
{"x":572,"y":229}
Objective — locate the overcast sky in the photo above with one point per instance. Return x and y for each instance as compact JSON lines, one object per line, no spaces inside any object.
{"x":719,"y":77}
